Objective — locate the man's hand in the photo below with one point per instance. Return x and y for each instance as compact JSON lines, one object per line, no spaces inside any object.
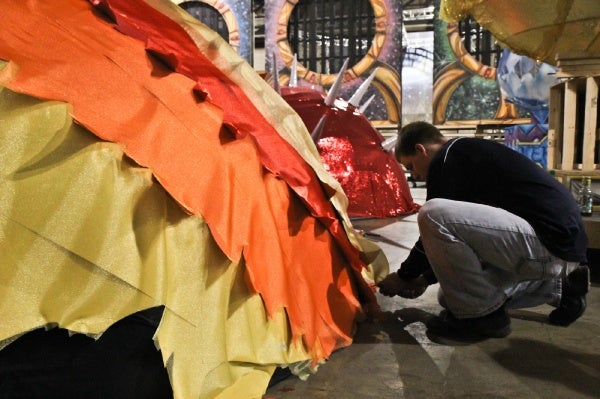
{"x":393,"y":285}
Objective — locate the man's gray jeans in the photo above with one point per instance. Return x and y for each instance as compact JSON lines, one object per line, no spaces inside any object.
{"x":484,"y":257}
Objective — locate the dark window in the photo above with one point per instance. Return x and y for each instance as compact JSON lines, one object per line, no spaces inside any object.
{"x":208,"y":15}
{"x":323,"y":33}
{"x":479,"y":42}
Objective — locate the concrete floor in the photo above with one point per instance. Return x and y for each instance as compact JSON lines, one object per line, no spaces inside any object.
{"x":394,"y":358}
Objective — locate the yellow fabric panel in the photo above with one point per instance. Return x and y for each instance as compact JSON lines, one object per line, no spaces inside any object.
{"x":42,"y":283}
{"x":66,"y":187}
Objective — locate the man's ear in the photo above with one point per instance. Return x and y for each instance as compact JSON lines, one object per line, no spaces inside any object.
{"x":420,"y":149}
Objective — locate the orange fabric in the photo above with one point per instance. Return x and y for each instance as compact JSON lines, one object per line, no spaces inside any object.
{"x":172,"y":44}
{"x":61,"y":50}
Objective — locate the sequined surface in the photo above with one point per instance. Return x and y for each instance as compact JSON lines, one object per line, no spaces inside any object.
{"x":350,"y":148}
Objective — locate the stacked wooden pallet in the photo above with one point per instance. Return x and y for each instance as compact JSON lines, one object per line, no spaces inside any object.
{"x":573,"y":131}
{"x":578,"y":64}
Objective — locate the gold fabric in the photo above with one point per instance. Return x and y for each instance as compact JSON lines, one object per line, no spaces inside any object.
{"x":538,"y":29}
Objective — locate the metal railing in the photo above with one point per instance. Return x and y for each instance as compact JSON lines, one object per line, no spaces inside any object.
{"x":324,"y":33}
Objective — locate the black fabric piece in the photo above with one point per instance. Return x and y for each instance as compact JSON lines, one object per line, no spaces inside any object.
{"x":279,"y":375}
{"x":122,"y":363}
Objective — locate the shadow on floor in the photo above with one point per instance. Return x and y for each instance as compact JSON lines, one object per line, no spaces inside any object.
{"x":547,"y":362}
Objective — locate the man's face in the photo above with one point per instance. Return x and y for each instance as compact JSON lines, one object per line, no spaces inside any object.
{"x":417,"y":164}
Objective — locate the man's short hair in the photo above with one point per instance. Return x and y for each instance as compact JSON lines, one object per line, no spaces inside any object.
{"x":416,"y":133}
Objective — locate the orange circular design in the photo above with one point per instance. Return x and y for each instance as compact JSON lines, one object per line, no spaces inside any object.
{"x":287,"y":55}
{"x":228,"y":16}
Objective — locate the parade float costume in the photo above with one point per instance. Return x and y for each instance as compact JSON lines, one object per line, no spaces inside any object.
{"x":151,"y":166}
